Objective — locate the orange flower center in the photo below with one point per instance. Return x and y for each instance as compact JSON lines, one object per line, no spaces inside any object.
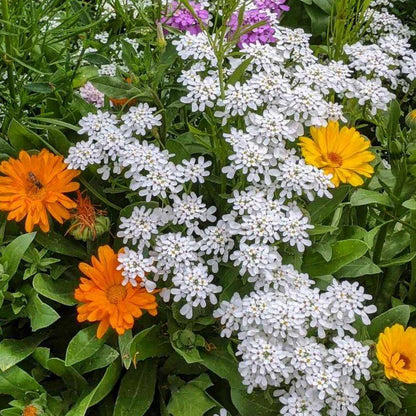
{"x":400,"y":361}
{"x":116,"y":294}
{"x":335,"y":159}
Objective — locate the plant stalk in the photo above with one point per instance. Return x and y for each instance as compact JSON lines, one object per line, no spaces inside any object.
{"x":8,"y":48}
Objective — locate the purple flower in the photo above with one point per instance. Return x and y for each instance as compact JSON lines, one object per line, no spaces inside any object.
{"x":179,"y":17}
{"x":263,"y":34}
{"x":275,"y":6}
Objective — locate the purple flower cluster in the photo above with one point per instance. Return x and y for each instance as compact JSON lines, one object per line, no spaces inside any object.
{"x":275,"y":6}
{"x":178,"y":17}
{"x":263,"y":34}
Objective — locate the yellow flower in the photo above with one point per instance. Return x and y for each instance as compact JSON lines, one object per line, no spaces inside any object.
{"x":396,"y":350}
{"x":342,"y":153}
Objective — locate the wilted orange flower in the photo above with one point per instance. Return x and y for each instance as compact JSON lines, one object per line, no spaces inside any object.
{"x":105,"y":299}
{"x":343,"y":153}
{"x":30,"y":411}
{"x":396,"y":350}
{"x":33,"y":186}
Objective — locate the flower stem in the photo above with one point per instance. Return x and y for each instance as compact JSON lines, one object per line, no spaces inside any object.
{"x":412,"y":286}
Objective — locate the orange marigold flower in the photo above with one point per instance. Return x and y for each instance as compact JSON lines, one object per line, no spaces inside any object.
{"x":396,"y":351}
{"x":106,"y":300}
{"x":30,"y":411}
{"x":343,"y":153}
{"x":33,"y":186}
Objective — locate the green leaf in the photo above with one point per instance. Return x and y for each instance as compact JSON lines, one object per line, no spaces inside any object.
{"x":149,"y":343}
{"x":394,"y":119}
{"x":319,"y":19}
{"x":102,"y":358}
{"x":238,"y":73}
{"x":321,"y":208}
{"x":17,"y":383}
{"x":191,"y":400}
{"x":40,"y":314}
{"x":12,"y":351}
{"x":178,"y":149}
{"x":114,"y":87}
{"x":59,"y":141}
{"x":59,"y":244}
{"x":83,"y":345}
{"x":22,"y":138}
{"x":137,"y":390}
{"x":387,"y":392}
{"x":40,"y":87}
{"x":6,"y":148}
{"x":96,"y":394}
{"x":322,"y":229}
{"x":366,"y":197}
{"x":222,"y":363}
{"x":61,"y":291}
{"x":343,"y":253}
{"x":398,"y":260}
{"x":14,"y":252}
{"x":68,"y":374}
{"x":360,"y":267}
{"x":410,"y":204}
{"x":254,"y":404}
{"x":124,"y":342}
{"x":397,"y":315}
{"x":325,"y":5}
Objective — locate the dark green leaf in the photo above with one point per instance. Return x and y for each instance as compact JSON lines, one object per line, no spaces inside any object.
{"x":22,"y":138}
{"x":360,"y":267}
{"x":367,"y":197}
{"x":254,"y":404}
{"x":397,"y":315}
{"x":59,"y":244}
{"x":61,"y":291}
{"x":40,"y":314}
{"x":16,"y":382}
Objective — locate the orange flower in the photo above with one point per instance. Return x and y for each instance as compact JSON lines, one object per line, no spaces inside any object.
{"x":105,"y":299}
{"x":33,"y":186}
{"x":30,"y":411}
{"x":397,"y":352}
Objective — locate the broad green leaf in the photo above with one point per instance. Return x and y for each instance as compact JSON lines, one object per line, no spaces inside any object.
{"x":6,"y":148}
{"x":59,"y":244}
{"x":149,"y":343}
{"x":322,"y":229}
{"x":69,"y":375}
{"x":325,"y":5}
{"x":190,"y":400}
{"x":40,"y":314}
{"x":12,"y":351}
{"x":387,"y":392}
{"x":61,"y":291}
{"x":410,"y":204}
{"x":222,"y":363}
{"x":178,"y":149}
{"x":59,"y":141}
{"x":14,"y":252}
{"x":343,"y":253}
{"x":367,"y":197}
{"x":16,"y":382}
{"x":394,"y":119}
{"x":114,"y":87}
{"x":360,"y":267}
{"x":137,"y":390}
{"x":319,"y":19}
{"x":321,"y":208}
{"x":238,"y":73}
{"x":83,"y":345}
{"x":395,"y":244}
{"x":97,"y":393}
{"x":397,"y":315}
{"x":22,"y":138}
{"x":102,"y":358}
{"x":254,"y":404}
{"x":40,"y":87}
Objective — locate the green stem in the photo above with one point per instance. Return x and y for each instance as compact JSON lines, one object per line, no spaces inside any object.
{"x":8,"y":48}
{"x":98,"y":195}
{"x":412,"y":286}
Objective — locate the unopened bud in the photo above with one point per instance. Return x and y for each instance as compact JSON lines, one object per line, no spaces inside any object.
{"x":160,"y":41}
{"x":411,"y":120}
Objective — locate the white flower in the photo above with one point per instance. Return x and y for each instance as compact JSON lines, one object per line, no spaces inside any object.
{"x":134,"y":265}
{"x":202,"y":93}
{"x":108,"y":70}
{"x":300,"y":402}
{"x":342,"y":402}
{"x":255,"y":258}
{"x":408,"y":65}
{"x":238,"y":99}
{"x":324,"y":380}
{"x":140,"y":119}
{"x":227,"y":312}
{"x":189,"y":210}
{"x":84,"y":154}
{"x":294,"y":229}
{"x":265,"y":57}
{"x":194,"y":284}
{"x":194,"y":170}
{"x":195,"y":46}
{"x":142,"y":224}
{"x":96,"y":124}
{"x":263,"y":362}
{"x":351,"y":357}
{"x":371,"y":91}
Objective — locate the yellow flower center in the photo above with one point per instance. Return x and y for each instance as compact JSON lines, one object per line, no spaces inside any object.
{"x":335,"y":159}
{"x":116,"y":294}
{"x":30,"y":411}
{"x":412,"y":115}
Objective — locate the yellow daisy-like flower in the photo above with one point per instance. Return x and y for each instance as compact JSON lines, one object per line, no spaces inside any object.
{"x":342,"y":153}
{"x":396,"y":350}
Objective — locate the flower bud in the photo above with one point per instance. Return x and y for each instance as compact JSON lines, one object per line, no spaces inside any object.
{"x":411,"y":120}
{"x":160,"y":40}
{"x":85,"y":233}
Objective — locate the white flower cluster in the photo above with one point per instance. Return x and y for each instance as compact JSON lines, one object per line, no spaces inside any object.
{"x":384,"y":57}
{"x":293,"y":334}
